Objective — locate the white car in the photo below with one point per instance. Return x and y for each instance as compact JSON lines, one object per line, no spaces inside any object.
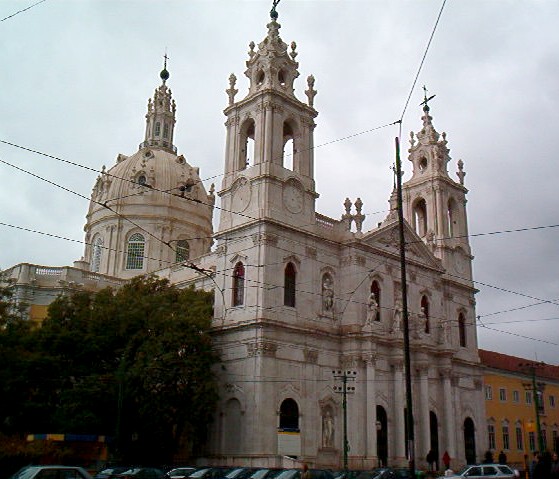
{"x":484,"y":471}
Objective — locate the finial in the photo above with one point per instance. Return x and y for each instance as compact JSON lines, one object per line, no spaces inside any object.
{"x":273,"y":13}
{"x":293,"y":53}
{"x":164,"y":75}
{"x":232,"y":91}
{"x":311,"y":92}
{"x":425,"y":99}
{"x":461,"y":173}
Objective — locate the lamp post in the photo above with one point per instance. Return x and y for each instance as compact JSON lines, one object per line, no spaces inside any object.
{"x":537,"y":392}
{"x":344,"y":390}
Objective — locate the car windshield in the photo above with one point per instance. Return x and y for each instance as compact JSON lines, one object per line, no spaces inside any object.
{"x":289,"y":474}
{"x":24,"y":473}
{"x":505,"y":469}
{"x":199,"y":472}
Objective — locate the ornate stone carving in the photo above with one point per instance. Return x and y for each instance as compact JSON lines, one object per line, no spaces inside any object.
{"x":261,"y":348}
{"x":310,"y":252}
{"x":311,"y":356}
{"x":232,"y":91}
{"x":264,"y":238}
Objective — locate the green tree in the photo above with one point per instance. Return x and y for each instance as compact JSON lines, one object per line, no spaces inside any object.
{"x":133,"y":363}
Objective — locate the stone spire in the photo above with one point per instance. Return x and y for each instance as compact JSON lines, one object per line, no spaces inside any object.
{"x":160,"y":117}
{"x":271,"y":67}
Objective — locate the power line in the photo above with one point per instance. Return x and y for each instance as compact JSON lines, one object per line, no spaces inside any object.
{"x":21,"y":11}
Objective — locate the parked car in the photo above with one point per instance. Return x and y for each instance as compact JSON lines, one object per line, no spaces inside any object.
{"x":141,"y":473}
{"x":296,"y":474}
{"x":180,"y":472}
{"x":110,"y":472}
{"x":240,"y":473}
{"x":51,"y":472}
{"x":265,"y":473}
{"x":484,"y":471}
{"x":209,"y":473}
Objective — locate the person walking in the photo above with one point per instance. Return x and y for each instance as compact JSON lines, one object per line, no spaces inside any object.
{"x":502,"y":458}
{"x":431,"y":459}
{"x":446,"y":460}
{"x":554,"y":472}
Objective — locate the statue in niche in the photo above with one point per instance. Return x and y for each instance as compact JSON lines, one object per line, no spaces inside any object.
{"x":372,"y":308}
{"x":397,"y":318}
{"x":327,"y":294}
{"x":327,"y":429}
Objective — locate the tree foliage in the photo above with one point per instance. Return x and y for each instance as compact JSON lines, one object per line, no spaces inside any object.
{"x":133,"y":363}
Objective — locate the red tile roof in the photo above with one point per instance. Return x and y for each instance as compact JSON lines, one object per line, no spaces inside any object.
{"x":514,"y":364}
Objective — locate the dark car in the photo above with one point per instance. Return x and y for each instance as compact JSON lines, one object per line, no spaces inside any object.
{"x":265,"y":473}
{"x":210,"y":473}
{"x":141,"y":473}
{"x":296,"y":474}
{"x":51,"y":472}
{"x":180,"y":472}
{"x":111,"y":472}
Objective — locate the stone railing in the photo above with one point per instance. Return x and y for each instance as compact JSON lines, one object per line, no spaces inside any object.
{"x":326,"y":222}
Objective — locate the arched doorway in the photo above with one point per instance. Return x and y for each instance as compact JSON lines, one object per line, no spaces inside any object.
{"x":469,"y":441}
{"x":289,"y":437}
{"x":382,"y":436}
{"x":232,"y":421}
{"x":434,"y":433}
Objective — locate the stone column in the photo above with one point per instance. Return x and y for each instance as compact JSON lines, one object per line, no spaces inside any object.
{"x":449,"y":419}
{"x":266,"y":150}
{"x":370,"y":410}
{"x":439,"y":211}
{"x":399,"y":452}
{"x":423,"y":414}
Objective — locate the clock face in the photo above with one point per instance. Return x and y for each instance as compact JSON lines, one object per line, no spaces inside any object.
{"x":241,"y":195}
{"x":293,"y":198}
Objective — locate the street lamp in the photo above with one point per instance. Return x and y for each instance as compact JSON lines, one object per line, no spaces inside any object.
{"x":344,"y":390}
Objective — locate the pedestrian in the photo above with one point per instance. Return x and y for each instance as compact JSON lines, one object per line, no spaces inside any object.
{"x":502,"y":458}
{"x":488,"y":457}
{"x":306,"y":473}
{"x":542,"y":467}
{"x":554,"y":473}
{"x":431,"y":459}
{"x":446,"y":460}
{"x":533,"y":464}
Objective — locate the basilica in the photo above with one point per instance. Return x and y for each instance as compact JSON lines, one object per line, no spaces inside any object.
{"x":306,"y":305}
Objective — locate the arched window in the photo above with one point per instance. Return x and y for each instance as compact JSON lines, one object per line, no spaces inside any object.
{"x":135,"y":252}
{"x":288,"y":148}
{"x":375,"y":292}
{"x":450,"y":217}
{"x":462,"y":330}
{"x":247,"y":145}
{"x":289,"y":415}
{"x":96,"y":254}
{"x":425,"y":313}
{"x":238,"y":284}
{"x":165,"y":130}
{"x":157,"y":129}
{"x":420,"y":217}
{"x":182,"y":251}
{"x":289,"y":284}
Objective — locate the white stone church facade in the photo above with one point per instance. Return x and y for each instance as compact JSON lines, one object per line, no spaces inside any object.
{"x":299,"y":295}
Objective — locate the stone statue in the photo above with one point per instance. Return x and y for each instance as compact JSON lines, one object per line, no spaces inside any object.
{"x":327,"y":294}
{"x":397,"y":318}
{"x":327,"y":429}
{"x":372,"y":308}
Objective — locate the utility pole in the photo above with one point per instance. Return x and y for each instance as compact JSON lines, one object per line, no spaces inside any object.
{"x":537,"y":392}
{"x":344,"y":390}
{"x":405,"y":319}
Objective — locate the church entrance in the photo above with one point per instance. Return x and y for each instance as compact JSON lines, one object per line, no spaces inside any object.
{"x":382,"y":436}
{"x":434,"y":430}
{"x":289,"y":434}
{"x":469,"y":441}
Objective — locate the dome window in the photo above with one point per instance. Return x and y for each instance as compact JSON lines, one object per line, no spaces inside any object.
{"x":135,"y":252}
{"x":422,"y":164}
{"x":165,"y":130}
{"x":260,"y":78}
{"x":281,"y":78}
{"x":182,"y":251}
{"x":157,"y":129}
{"x":142,"y":180}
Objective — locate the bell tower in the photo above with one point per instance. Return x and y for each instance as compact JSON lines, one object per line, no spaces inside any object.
{"x":269,"y":170}
{"x":435,"y":204}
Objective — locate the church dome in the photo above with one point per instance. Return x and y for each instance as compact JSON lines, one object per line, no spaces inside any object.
{"x":150,"y":210}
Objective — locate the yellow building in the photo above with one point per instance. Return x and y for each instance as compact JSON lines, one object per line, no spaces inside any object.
{"x":514,"y":410}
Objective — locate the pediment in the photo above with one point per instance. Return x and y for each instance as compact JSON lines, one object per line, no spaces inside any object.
{"x":387,"y":238}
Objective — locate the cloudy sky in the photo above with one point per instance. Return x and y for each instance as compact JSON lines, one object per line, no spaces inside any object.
{"x":76,"y":76}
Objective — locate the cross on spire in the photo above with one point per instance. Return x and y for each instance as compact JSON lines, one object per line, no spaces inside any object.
{"x":164,"y":75}
{"x":425,"y":99}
